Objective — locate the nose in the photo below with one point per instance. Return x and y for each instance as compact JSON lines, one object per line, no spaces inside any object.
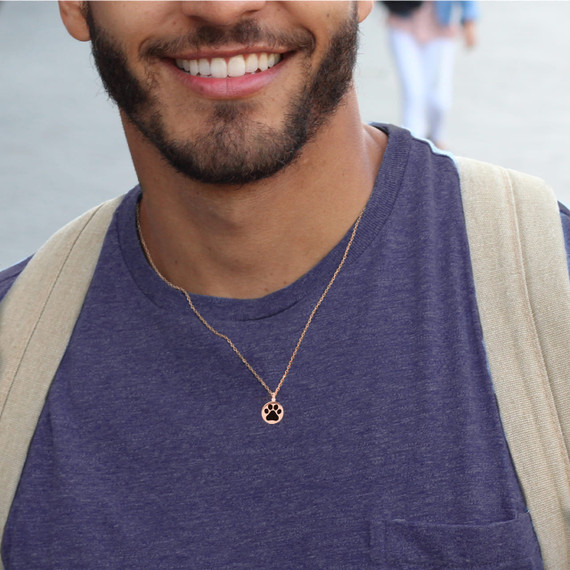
{"x":218,"y":13}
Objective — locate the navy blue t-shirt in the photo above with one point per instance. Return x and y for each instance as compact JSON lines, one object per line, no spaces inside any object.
{"x":151,"y":451}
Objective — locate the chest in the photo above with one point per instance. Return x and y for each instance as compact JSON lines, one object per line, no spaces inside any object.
{"x":152,"y":438}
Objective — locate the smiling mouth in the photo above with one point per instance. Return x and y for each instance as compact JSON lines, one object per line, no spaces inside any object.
{"x":236,"y":66}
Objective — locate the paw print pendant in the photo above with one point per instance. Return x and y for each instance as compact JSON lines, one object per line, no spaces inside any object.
{"x":272,"y":412}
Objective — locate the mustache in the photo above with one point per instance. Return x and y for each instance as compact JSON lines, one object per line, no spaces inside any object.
{"x":246,"y":33}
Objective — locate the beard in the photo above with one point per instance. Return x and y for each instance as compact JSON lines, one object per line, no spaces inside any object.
{"x":235,"y":149}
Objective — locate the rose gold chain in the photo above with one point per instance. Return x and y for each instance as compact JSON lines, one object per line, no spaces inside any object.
{"x":273,"y":394}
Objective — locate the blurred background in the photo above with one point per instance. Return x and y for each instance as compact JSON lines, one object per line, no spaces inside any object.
{"x":62,"y":148}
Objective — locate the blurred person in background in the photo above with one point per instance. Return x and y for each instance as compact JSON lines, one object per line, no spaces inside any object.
{"x":422,"y":40}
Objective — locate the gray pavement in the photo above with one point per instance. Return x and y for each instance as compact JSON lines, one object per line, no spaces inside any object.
{"x":62,"y":149}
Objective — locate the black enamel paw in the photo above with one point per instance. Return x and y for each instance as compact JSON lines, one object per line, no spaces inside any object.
{"x":272,"y":413}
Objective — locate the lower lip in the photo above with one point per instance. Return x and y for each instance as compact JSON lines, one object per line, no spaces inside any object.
{"x":229,"y":87}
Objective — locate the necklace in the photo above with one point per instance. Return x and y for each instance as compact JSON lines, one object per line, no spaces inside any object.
{"x":272,"y":412}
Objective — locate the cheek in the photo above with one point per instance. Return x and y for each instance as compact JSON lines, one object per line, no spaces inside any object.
{"x":322,"y":19}
{"x":320,"y":15}
{"x":132,"y":23}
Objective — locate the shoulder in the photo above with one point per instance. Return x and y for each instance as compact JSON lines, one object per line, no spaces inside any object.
{"x":468,"y":10}
{"x":71,"y":237}
{"x":9,"y":275}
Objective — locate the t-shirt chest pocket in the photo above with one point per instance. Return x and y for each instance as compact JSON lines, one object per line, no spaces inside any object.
{"x":509,"y":545}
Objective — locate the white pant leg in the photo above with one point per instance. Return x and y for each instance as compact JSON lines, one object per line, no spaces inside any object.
{"x":438,"y":61}
{"x":407,"y":55}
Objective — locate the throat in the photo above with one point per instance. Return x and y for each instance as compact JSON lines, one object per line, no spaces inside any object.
{"x":240,"y":273}
{"x":239,"y":265}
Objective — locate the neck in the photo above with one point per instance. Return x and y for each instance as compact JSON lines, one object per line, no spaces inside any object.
{"x":250,"y":241}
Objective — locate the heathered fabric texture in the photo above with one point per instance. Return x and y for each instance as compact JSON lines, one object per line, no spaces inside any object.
{"x":151,"y":451}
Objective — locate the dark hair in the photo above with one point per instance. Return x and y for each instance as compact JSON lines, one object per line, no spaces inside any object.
{"x":401,"y":8}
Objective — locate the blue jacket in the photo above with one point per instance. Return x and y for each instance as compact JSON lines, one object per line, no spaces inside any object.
{"x":445,"y":9}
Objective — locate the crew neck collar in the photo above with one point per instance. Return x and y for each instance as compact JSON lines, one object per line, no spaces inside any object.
{"x":377,"y":211}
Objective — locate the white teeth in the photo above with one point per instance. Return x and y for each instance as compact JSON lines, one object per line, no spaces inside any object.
{"x":236,"y":66}
{"x":219,"y":68}
{"x":204,"y":67}
{"x":262,"y":65}
{"x":251,"y":63}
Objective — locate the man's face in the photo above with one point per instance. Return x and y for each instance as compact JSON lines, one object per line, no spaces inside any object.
{"x":226,"y":94}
